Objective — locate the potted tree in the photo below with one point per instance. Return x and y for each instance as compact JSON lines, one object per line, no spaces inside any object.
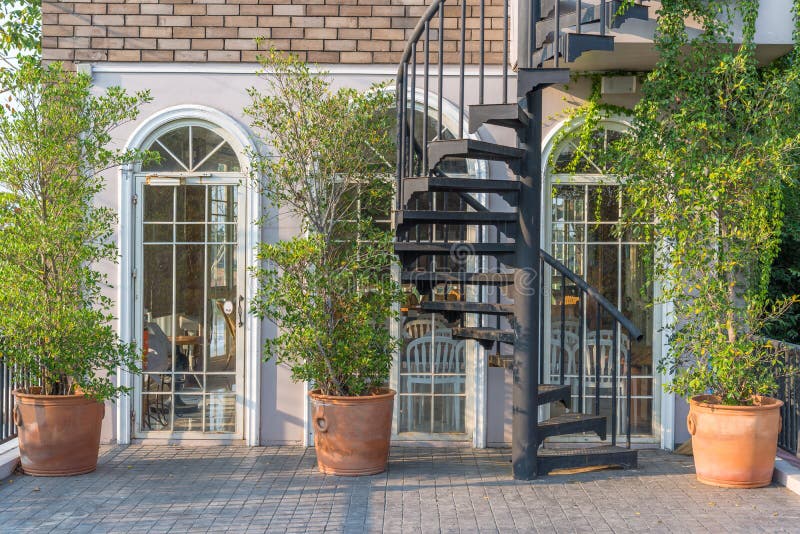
{"x":55,"y":317}
{"x":704,"y":167}
{"x":329,"y":290}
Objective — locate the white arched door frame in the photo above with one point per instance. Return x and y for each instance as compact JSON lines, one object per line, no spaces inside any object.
{"x":242,"y":143}
{"x":663,"y":404}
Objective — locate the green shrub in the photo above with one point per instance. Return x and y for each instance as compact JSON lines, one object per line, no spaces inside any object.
{"x":328,"y":290}
{"x":55,"y":316}
{"x":709,"y":155}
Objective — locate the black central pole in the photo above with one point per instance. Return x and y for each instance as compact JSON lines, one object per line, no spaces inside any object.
{"x":526,"y":298}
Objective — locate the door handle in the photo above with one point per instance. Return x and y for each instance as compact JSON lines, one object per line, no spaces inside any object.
{"x":240,"y":310}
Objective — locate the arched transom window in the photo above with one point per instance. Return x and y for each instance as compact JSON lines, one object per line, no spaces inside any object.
{"x":192,"y":147}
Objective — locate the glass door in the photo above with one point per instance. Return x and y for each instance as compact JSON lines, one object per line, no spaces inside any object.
{"x":190,"y":307}
{"x":584,"y":213}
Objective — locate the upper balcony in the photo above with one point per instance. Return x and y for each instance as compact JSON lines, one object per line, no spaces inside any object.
{"x":632,"y":33}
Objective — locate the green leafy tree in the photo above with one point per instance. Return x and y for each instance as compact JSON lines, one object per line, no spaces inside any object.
{"x":55,"y":320}
{"x":20,"y":26}
{"x":328,"y":291}
{"x":709,"y":155}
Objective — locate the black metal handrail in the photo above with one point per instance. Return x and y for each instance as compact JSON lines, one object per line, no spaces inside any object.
{"x":603,"y":305}
{"x":789,"y":393}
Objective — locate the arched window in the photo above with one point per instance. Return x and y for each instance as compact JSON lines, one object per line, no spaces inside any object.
{"x":570,"y":158}
{"x":192,"y":147}
{"x":583,"y":211}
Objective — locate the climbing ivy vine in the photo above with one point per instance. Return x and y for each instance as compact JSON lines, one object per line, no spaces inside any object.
{"x":710,"y":155}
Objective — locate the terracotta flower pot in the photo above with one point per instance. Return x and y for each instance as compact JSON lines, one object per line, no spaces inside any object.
{"x":734,"y":446}
{"x":59,"y":435}
{"x":352,"y":434}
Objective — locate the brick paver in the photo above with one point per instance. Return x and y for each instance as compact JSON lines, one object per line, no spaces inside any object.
{"x":237,"y":489}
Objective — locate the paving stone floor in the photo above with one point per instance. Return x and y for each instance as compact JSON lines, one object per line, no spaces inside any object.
{"x":277,"y":489}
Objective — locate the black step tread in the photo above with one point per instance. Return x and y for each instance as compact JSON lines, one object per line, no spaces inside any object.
{"x":425,"y":184}
{"x":554,"y":393}
{"x":456,"y":248}
{"x":589,"y":14}
{"x":472,"y":149}
{"x":466,"y":278}
{"x":572,"y":45}
{"x":532,"y":78}
{"x":505,"y":115}
{"x":545,"y":27}
{"x":572,"y":423}
{"x":463,"y":185}
{"x":575,"y":44}
{"x":549,"y":459}
{"x":468,"y":307}
{"x":455,"y":217}
{"x":485,"y":334}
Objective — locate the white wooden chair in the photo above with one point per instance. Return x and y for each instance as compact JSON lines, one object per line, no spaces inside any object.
{"x":434,"y":362}
{"x":570,"y":350}
{"x":606,"y":353}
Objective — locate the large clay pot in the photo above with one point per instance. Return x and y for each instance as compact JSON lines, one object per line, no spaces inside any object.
{"x":59,"y":435}
{"x":734,"y":446}
{"x":352,"y":434}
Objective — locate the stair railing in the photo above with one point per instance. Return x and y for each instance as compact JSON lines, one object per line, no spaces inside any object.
{"x":426,"y":48}
{"x":429,"y":49}
{"x":602,"y":305}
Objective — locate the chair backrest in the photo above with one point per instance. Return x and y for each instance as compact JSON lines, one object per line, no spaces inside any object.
{"x":570,"y":325}
{"x":571,"y":341}
{"x":439,"y":355}
{"x":417,"y":328}
{"x":606,"y":354}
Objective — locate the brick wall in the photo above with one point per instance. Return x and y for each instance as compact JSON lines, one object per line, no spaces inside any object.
{"x":322,"y":31}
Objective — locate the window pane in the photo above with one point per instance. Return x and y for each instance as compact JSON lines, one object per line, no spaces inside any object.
{"x":166,"y":162}
{"x":191,"y":203}
{"x":415,"y":383}
{"x":158,"y":203}
{"x":222,"y":204}
{"x":156,"y":412}
{"x":188,"y":412}
{"x":203,"y":142}
{"x":602,"y":269}
{"x":568,"y":203}
{"x":603,"y":203}
{"x":157,"y":283}
{"x":448,"y":414}
{"x":190,"y":233}
{"x":415,"y":413}
{"x":177,"y":142}
{"x":157,"y":233}
{"x":223,"y":160}
{"x":220,"y":413}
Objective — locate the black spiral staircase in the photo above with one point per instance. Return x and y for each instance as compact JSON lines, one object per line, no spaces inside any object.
{"x":446,"y":234}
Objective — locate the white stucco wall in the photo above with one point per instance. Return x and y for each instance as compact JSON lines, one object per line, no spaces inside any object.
{"x":223,"y":87}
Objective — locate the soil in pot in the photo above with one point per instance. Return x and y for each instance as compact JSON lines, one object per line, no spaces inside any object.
{"x":352,"y":434}
{"x":734,"y":446}
{"x":59,"y":435}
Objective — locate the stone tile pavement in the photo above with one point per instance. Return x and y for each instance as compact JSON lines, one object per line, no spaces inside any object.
{"x":277,"y":489}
